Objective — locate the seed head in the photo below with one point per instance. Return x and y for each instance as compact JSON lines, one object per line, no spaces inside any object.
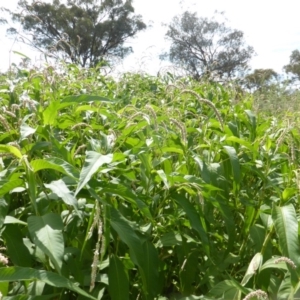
{"x":3,"y":260}
{"x":4,"y":123}
{"x":286,"y":260}
{"x":208,"y":103}
{"x":258,"y":294}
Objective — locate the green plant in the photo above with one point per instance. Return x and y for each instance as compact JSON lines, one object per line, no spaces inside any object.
{"x":143,"y":188}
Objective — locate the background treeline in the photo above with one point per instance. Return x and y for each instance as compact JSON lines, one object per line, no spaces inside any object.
{"x":90,"y":32}
{"x":144,"y":188}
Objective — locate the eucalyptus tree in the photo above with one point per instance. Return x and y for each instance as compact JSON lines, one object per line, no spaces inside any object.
{"x":206,"y":47}
{"x":293,"y":67}
{"x":260,"y":78}
{"x":83,"y":31}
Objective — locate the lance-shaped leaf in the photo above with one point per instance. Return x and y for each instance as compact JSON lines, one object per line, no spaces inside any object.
{"x":254,"y":265}
{"x":59,"y":188}
{"x":56,"y":164}
{"x":10,"y":185}
{"x":10,"y":149}
{"x":93,"y":162}
{"x":142,"y":253}
{"x":164,"y":178}
{"x":17,"y":251}
{"x":85,"y":99}
{"x":286,"y":226}
{"x":3,"y":211}
{"x":46,"y":232}
{"x":27,"y":297}
{"x":50,"y":113}
{"x":26,"y":131}
{"x":149,"y":270}
{"x":196,"y":220}
{"x":234,"y":163}
{"x":25,"y":274}
{"x":118,"y":279}
{"x":227,"y":289}
{"x":128,"y":195}
{"x":128,"y":235}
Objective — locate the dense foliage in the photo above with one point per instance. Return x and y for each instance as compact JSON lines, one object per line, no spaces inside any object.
{"x":293,"y":67}
{"x":143,"y":188}
{"x":85,"y":32}
{"x":260,"y":78}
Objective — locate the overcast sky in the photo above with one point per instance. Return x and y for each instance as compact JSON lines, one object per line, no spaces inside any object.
{"x":271,"y":27}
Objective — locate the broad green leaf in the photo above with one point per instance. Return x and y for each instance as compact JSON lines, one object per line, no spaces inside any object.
{"x":209,"y":173}
{"x":4,"y":288}
{"x":257,"y":235}
{"x":172,"y":149}
{"x":13,"y":220}
{"x":288,"y":193}
{"x":227,"y":214}
{"x":195,"y":220}
{"x":41,"y":164}
{"x":56,"y":164}
{"x":275,"y":263}
{"x":254,"y":265}
{"x":252,"y":121}
{"x":3,"y":211}
{"x":60,"y":150}
{"x":227,"y":289}
{"x":149,"y":270}
{"x":26,"y":131}
{"x":242,"y":142}
{"x":193,"y":298}
{"x":286,"y":226}
{"x":118,"y":279}
{"x":28,"y":297}
{"x":249,"y":215}
{"x":41,"y":145}
{"x":11,"y":149}
{"x":93,"y":162}
{"x":296,"y":294}
{"x":170,"y":239}
{"x":59,"y":188}
{"x":146,"y":167}
{"x":32,"y":187}
{"x":188,"y":272}
{"x":163,"y":177}
{"x":10,"y":185}
{"x":142,"y":253}
{"x":87,"y":108}
{"x":46,"y":232}
{"x":286,"y":289}
{"x":17,"y":251}
{"x":12,"y":274}
{"x":130,"y":130}
{"x":234,"y":163}
{"x":127,"y":194}
{"x":85,"y":99}
{"x":128,"y":235}
{"x":50,"y":113}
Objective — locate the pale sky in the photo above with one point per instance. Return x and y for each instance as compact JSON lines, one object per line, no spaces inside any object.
{"x":270,"y":26}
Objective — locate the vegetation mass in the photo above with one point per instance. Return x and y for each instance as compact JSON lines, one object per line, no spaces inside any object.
{"x":144,"y":188}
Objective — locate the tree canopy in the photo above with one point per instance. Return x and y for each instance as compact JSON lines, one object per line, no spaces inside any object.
{"x":84,"y":31}
{"x":260,"y":78}
{"x":207,"y":47}
{"x":294,"y":66}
